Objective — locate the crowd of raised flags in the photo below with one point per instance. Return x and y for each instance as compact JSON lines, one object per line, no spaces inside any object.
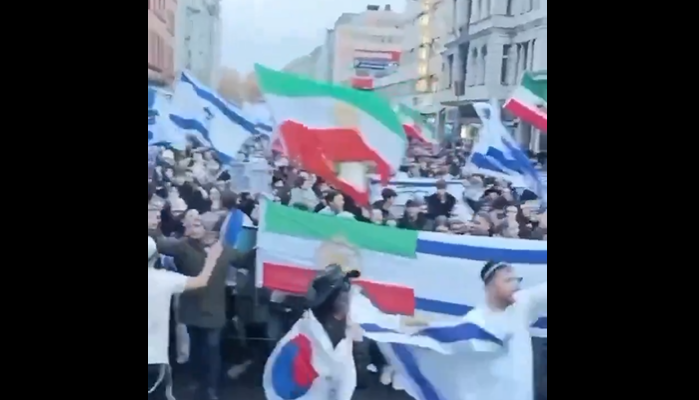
{"x":330,"y":129}
{"x":333,"y":132}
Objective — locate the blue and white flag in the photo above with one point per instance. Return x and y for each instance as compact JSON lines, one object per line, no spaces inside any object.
{"x":200,"y":110}
{"x":261,"y":117}
{"x":483,"y":355}
{"x":160,"y":128}
{"x":232,"y":229}
{"x":497,"y":153}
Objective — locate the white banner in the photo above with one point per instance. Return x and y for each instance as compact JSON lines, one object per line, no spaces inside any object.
{"x":412,"y":188}
{"x":253,"y":177}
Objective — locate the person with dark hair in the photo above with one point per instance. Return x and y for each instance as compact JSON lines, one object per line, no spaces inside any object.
{"x":493,"y":358}
{"x":229,"y":200}
{"x":388,"y":199}
{"x":440,"y":203}
{"x":413,"y":219}
{"x":292,"y":369}
{"x":335,"y":205}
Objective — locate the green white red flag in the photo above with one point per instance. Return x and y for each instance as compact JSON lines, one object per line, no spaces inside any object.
{"x":324,"y":126}
{"x":529,"y":101}
{"x":415,"y":124}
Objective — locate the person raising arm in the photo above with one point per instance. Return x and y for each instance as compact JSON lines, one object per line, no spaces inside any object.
{"x":162,"y":285}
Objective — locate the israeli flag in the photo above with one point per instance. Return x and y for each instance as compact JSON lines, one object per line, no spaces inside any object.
{"x":161,"y":131}
{"x":216,"y":122}
{"x":261,"y":117}
{"x":497,"y":153}
{"x":464,"y":358}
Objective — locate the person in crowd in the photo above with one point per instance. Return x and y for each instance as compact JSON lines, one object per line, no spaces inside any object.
{"x":302,"y":193}
{"x":203,"y":311}
{"x":388,"y":200}
{"x":413,"y":219}
{"x":440,"y":203}
{"x":215,"y":200}
{"x":162,"y":285}
{"x":377,"y":216}
{"x":190,"y":195}
{"x":328,"y":303}
{"x":335,"y":206}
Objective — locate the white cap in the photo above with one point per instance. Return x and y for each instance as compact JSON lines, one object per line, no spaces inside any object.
{"x":152,"y":248}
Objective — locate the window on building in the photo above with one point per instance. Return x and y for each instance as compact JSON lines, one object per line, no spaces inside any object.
{"x":504,"y":78}
{"x":484,"y":65}
{"x":532,"y":54}
{"x":450,"y":71}
{"x":525,"y":55}
{"x":485,"y":12}
{"x":508,"y":8}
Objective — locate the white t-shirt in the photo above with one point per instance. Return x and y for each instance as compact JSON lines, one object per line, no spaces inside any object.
{"x":162,"y":285}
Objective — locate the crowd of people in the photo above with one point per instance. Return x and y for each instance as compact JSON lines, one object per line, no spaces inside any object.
{"x":191,"y":197}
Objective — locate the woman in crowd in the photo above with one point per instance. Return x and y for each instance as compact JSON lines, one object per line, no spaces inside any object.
{"x":302,"y":193}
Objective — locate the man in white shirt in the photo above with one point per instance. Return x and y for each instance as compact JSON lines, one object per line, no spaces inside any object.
{"x":486,"y":355}
{"x":509,"y":312}
{"x":162,"y":285}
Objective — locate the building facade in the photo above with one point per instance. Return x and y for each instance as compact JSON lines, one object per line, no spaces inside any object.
{"x":497,"y":41}
{"x":359,"y":49}
{"x":427,"y":28}
{"x":161,"y":38}
{"x":366,"y":46}
{"x":198,"y":39}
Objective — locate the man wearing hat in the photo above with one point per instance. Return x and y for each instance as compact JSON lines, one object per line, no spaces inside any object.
{"x":328,"y":299}
{"x":493,"y":359}
{"x":314,"y":360}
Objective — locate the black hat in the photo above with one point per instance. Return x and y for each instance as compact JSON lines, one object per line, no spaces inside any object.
{"x":328,"y":282}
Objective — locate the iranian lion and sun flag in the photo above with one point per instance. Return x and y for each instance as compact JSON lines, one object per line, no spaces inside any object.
{"x":328,"y":129}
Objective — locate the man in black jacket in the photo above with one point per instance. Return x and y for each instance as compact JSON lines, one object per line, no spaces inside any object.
{"x":413,"y":219}
{"x":204,"y":310}
{"x":440,"y":203}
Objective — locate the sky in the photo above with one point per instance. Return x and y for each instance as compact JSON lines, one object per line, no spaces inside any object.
{"x":274,"y":32}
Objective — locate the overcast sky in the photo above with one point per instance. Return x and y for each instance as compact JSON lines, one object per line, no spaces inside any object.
{"x":274,"y":32}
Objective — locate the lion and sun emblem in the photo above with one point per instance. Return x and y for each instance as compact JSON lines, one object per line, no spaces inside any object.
{"x":340,"y":251}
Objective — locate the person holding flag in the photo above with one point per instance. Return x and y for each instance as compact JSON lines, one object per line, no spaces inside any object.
{"x":486,"y":355}
{"x":314,"y":360}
